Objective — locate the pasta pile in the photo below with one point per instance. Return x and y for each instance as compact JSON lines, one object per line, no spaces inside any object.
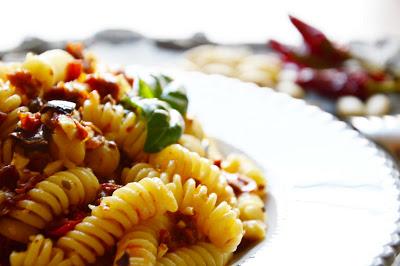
{"x":98,"y":167}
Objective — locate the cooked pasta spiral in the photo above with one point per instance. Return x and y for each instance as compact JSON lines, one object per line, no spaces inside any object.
{"x":140,"y":171}
{"x":9,"y":100}
{"x":251,"y":213}
{"x":135,"y":202}
{"x":66,"y":144}
{"x":193,"y":144}
{"x":141,"y":244}
{"x":238,"y":163}
{"x":40,"y":252}
{"x":10,"y":122}
{"x":54,"y":196}
{"x":128,"y":131}
{"x":219,"y":222}
{"x":189,"y":164}
{"x":200,"y":254}
{"x":104,"y":159}
{"x":10,"y":105}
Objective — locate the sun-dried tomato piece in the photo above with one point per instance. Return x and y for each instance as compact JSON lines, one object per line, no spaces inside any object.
{"x":70,"y":91}
{"x":75,"y":49}
{"x":105,"y":84}
{"x":74,"y":70}
{"x":30,"y":122}
{"x":24,"y":83}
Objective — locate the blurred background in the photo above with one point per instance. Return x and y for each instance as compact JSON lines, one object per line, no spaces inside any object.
{"x":222,"y":21}
{"x":236,"y":34}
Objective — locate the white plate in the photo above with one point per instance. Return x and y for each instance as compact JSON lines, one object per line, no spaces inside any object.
{"x":333,"y":195}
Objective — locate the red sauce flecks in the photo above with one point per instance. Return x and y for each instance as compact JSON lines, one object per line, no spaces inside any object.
{"x":105,"y":84}
{"x":24,"y":83}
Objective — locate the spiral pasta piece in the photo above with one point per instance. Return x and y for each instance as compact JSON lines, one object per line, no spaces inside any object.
{"x":141,"y":244}
{"x":200,"y":254}
{"x":126,"y":129}
{"x":104,"y":159}
{"x":187,"y":164}
{"x":116,"y":215}
{"x":238,"y":163}
{"x":141,"y":170}
{"x":40,"y":252}
{"x":10,"y":105}
{"x":219,"y":222}
{"x":193,"y":144}
{"x":54,"y":196}
{"x":9,"y":100}
{"x":66,"y":136}
{"x":252,"y":214}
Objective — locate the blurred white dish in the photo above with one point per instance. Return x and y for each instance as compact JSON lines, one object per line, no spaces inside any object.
{"x":333,"y":197}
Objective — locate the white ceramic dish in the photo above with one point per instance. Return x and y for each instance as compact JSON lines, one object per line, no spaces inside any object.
{"x":333,"y":195}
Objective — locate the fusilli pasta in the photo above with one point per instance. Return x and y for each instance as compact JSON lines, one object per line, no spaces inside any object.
{"x":252,"y":214}
{"x":140,"y":171}
{"x":54,"y":196}
{"x":141,"y":244}
{"x":128,"y":131}
{"x":110,"y":165}
{"x":200,"y":254}
{"x":40,"y":252}
{"x":189,"y":164}
{"x":219,"y":222}
{"x":116,"y":215}
{"x":66,"y":136}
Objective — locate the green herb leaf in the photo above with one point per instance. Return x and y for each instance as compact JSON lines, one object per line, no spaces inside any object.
{"x":164,"y":124}
{"x":145,"y":90}
{"x":175,"y":95}
{"x":164,"y":88}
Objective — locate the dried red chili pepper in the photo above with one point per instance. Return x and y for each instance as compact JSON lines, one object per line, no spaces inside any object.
{"x":334,"y":83}
{"x":320,"y":51}
{"x":67,"y":225}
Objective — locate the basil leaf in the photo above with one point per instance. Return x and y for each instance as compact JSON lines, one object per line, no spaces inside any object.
{"x":145,"y":90}
{"x":163,"y":129}
{"x":163,"y":88}
{"x":175,"y":95}
{"x":151,"y":86}
{"x":164,"y":124}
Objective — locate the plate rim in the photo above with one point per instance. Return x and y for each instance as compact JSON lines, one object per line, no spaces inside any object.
{"x":389,"y":250}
